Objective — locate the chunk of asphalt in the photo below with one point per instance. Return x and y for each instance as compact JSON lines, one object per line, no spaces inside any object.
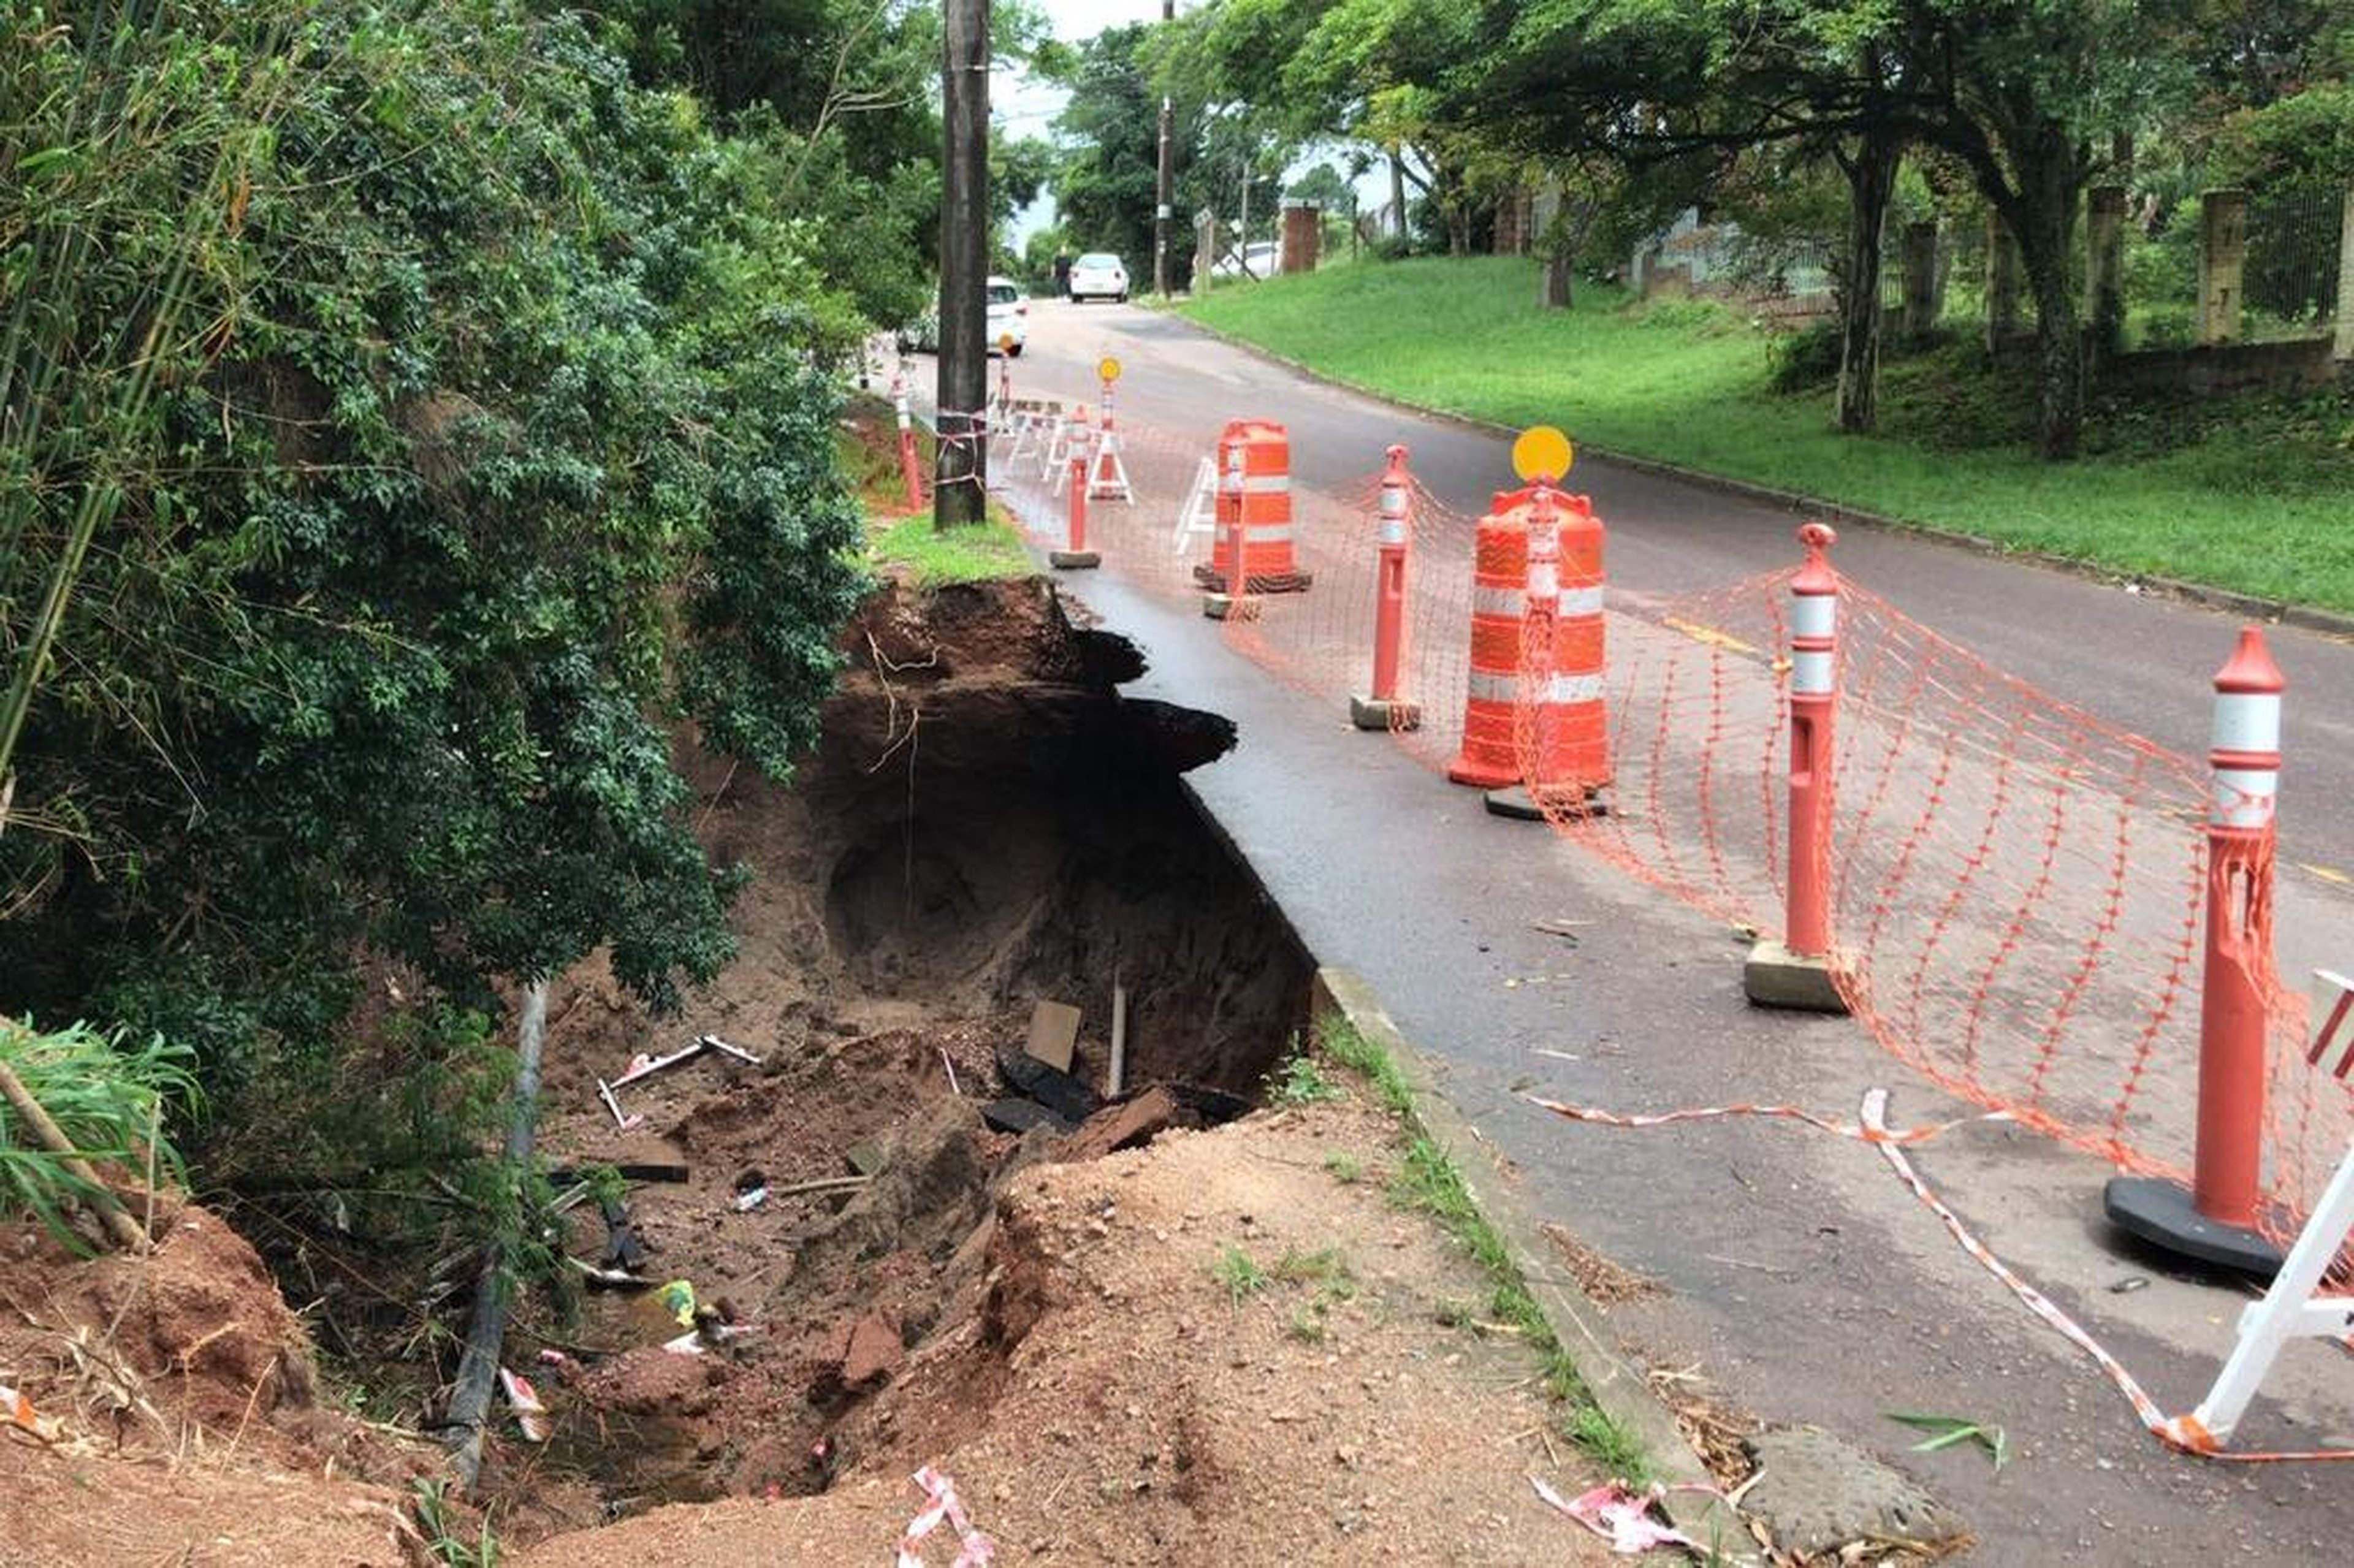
{"x":1050,"y":1087}
{"x":1021,"y":1116}
{"x":1815,"y":1493}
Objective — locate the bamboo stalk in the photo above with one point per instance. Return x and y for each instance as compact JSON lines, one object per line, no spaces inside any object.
{"x":119,"y":1223}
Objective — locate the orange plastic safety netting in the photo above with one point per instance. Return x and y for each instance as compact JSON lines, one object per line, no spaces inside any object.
{"x":2016,"y":887}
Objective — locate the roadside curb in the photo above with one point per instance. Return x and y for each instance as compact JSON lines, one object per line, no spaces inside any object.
{"x":1615,"y":1383}
{"x":2305,"y":617}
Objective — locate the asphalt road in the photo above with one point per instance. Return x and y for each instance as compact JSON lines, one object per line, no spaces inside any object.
{"x":1800,"y":1279}
{"x":2142,"y":662}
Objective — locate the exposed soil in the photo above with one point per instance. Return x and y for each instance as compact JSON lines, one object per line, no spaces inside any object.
{"x":987,"y":825}
{"x":179,"y":1388}
{"x":1099,"y":1396}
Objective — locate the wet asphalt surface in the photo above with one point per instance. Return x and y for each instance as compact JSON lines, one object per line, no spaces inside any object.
{"x":1802,"y":1280}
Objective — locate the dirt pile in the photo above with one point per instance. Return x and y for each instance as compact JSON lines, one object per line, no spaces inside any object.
{"x":183,"y":1391}
{"x":1226,"y":1346}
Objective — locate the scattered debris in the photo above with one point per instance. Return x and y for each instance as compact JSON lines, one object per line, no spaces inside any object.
{"x":23,"y":1418}
{"x":1054,"y":1034}
{"x":1021,"y":1116}
{"x":1130,"y":1124}
{"x":1049,"y":1086}
{"x":1605,"y":1283}
{"x":865,"y":1157}
{"x":1618,"y":1516}
{"x":678,"y":1300}
{"x":2129,"y":1284}
{"x":974,"y":1549}
{"x":1944,"y":1431}
{"x":644,"y":1067}
{"x":751,"y":1189}
{"x":1565,"y":929}
{"x":530,"y":1413}
{"x":1816,"y":1495}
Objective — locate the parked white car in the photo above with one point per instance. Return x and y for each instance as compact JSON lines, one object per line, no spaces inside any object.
{"x":1099,"y":275}
{"x":1009,"y":317}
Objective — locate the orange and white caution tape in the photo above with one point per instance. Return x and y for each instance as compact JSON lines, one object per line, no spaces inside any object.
{"x":1862,"y":1132}
{"x":974,"y":1549}
{"x":2182,"y":1432}
{"x":17,"y":1412}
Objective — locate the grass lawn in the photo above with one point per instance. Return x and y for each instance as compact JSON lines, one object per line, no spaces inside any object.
{"x":2253,"y":492}
{"x":922,"y":554}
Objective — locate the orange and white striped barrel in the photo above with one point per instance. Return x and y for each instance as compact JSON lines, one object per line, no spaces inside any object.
{"x":1574,"y":748}
{"x":1264,"y":451}
{"x":1571,"y":727}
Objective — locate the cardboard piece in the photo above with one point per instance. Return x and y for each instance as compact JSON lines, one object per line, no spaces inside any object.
{"x":1054,"y":1034}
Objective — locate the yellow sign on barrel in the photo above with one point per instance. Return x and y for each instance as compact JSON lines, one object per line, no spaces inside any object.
{"x":1005,"y":342}
{"x":1543,"y":452}
{"x":1108,"y":367}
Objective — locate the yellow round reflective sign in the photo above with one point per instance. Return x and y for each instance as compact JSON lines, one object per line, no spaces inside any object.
{"x":1543,"y":452}
{"x":1108,"y":367}
{"x":1006,"y":341}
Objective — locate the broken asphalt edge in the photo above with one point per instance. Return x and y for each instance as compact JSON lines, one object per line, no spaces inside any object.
{"x":1615,"y":1382}
{"x":2254,"y":607}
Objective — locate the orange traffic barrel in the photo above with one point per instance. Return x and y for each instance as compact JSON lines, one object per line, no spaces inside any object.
{"x":1572,"y":742}
{"x":1255,"y":474}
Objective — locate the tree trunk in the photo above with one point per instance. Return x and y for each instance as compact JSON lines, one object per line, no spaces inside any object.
{"x":2044,"y":221}
{"x":1397,"y":192}
{"x":1871,"y":177}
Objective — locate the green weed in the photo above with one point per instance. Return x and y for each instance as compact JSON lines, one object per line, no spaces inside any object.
{"x":1346,"y":1168}
{"x":1426,"y":1180}
{"x":1239,"y":1274}
{"x":1299,"y":1081}
{"x":447,"y":1548}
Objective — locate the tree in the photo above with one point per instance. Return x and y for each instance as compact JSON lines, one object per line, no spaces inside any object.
{"x":2024,"y":94}
{"x":1108,"y":174}
{"x":495,"y":438}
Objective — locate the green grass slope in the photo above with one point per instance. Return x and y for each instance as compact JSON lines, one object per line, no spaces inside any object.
{"x":2252,"y":493}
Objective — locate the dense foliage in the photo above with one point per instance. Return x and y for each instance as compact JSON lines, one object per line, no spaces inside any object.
{"x":1623,"y":111}
{"x":460,"y":412}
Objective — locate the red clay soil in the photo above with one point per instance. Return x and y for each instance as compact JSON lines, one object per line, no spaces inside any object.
{"x":186,"y":1422}
{"x":1100,"y":1393}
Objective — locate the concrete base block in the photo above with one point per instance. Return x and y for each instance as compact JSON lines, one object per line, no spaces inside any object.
{"x":1515,"y":802}
{"x":1776,"y":977}
{"x":2161,"y":1214}
{"x":1383,"y":713}
{"x":1230,"y":606}
{"x":1072,"y":560}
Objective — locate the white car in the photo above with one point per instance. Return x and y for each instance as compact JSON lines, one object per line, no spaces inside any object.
{"x":1099,"y":275}
{"x":1009,"y":317}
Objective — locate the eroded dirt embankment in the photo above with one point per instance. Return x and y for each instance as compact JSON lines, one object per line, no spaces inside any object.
{"x":987,"y":825}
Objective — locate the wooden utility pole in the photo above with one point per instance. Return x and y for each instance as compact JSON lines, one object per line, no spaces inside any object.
{"x":963,"y":386}
{"x":1161,"y":187}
